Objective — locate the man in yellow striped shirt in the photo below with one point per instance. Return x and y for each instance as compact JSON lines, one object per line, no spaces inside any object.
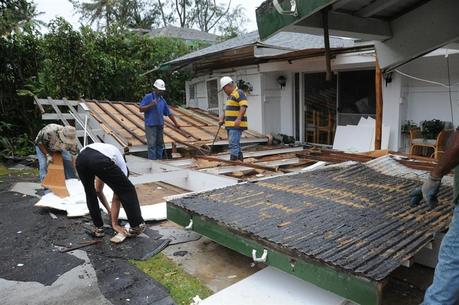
{"x":235,"y":118}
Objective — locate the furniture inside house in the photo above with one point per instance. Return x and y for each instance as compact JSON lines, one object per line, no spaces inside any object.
{"x":419,"y":145}
{"x":320,"y":127}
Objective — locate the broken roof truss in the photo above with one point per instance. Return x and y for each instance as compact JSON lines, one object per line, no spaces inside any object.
{"x":122,"y":124}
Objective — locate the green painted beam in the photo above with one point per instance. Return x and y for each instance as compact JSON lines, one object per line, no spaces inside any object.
{"x":269,"y":21}
{"x":356,"y":289}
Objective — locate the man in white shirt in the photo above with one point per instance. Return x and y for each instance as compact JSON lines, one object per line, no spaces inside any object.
{"x":106,"y":162}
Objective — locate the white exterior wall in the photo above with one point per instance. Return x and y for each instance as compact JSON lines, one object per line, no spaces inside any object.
{"x":277,"y":103}
{"x":248,"y":74}
{"x":429,"y":101}
{"x":393,"y":105}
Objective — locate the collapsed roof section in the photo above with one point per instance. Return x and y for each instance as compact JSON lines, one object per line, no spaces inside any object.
{"x":122,"y":124}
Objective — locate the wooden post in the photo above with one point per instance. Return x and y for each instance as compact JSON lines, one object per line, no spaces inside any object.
{"x":328,"y":75}
{"x":379,"y":106}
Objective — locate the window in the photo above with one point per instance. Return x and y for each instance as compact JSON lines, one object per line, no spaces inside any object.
{"x":212,"y":94}
{"x":357,"y":96}
{"x":192,"y":89}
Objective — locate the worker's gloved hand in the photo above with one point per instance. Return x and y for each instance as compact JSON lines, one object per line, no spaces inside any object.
{"x":430,"y":190}
{"x":49,"y":159}
{"x":416,"y":197}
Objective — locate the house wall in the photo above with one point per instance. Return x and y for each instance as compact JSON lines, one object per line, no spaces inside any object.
{"x":427,"y":101}
{"x":277,"y":103}
{"x":248,"y":74}
{"x":392,"y":110}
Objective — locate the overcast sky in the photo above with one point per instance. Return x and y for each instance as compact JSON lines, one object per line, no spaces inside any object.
{"x":53,"y":8}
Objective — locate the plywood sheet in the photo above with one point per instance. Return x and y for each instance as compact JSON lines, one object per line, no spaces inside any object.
{"x":154,"y":192}
{"x":55,"y":178}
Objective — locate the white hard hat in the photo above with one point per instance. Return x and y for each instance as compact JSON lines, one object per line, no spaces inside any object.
{"x":225,"y":80}
{"x":160,"y":85}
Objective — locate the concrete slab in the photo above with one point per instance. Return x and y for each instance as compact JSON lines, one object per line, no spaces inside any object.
{"x":275,"y":287}
{"x":75,"y":287}
{"x":27,"y":188}
{"x":216,"y":266}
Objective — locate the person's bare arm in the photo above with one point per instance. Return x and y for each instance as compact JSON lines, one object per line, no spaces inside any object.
{"x":148,"y":106}
{"x":116,"y":205}
{"x":43,"y":149}
{"x":449,"y":160}
{"x":172,"y":118}
{"x":240,"y":116}
{"x":100,"y":194}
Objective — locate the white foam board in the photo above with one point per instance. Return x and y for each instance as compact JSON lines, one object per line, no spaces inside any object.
{"x":352,"y":138}
{"x":274,"y":287}
{"x":75,"y":204}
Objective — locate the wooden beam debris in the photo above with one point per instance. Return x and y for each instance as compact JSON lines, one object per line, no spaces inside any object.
{"x":246,"y":164}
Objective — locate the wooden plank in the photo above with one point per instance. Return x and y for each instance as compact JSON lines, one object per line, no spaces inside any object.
{"x":58,"y":112}
{"x":39,"y":104}
{"x":167,"y":133}
{"x":56,"y":117}
{"x":120,"y":122}
{"x":42,"y":101}
{"x":195,"y":116}
{"x":379,"y":106}
{"x":106,"y":126}
{"x":55,"y":177}
{"x":181,"y":131}
{"x":246,"y":164}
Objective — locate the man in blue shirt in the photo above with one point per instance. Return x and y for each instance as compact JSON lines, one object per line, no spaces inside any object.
{"x":154,"y":107}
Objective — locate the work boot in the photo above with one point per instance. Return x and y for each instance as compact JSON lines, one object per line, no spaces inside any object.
{"x":240,"y":157}
{"x":233,"y":158}
{"x":98,"y":232}
{"x":136,"y":230}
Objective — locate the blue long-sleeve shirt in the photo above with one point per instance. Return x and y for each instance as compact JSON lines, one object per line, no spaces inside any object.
{"x":155,"y":115}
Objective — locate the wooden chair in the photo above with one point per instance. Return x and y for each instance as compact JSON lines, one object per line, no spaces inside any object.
{"x":438,"y":145}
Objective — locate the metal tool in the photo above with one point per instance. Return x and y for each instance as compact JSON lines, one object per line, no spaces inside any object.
{"x":215,"y":138}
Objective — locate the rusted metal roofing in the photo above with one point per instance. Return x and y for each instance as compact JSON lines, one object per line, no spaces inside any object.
{"x":125,"y":123}
{"x":354,"y":219}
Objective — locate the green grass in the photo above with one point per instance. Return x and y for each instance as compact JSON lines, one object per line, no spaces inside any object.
{"x":4,"y":171}
{"x":182,"y":286}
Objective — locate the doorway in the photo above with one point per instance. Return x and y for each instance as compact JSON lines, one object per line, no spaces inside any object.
{"x":319,"y":108}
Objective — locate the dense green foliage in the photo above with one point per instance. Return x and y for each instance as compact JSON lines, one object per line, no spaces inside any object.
{"x":78,"y":63}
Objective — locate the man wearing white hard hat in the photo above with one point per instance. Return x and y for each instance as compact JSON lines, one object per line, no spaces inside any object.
{"x":235,"y":118}
{"x":155,"y":107}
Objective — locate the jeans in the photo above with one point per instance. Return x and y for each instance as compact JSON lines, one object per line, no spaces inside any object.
{"x":445,"y":286}
{"x":91,"y":163}
{"x":155,"y":141}
{"x":43,"y":164}
{"x":234,"y":142}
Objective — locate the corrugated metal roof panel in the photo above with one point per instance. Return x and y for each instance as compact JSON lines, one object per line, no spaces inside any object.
{"x":354,"y":219}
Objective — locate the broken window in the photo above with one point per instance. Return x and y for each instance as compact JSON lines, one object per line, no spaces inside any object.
{"x":356,"y":96}
{"x":212,"y":94}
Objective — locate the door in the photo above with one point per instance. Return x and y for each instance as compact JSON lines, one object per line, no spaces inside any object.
{"x":319,"y":108}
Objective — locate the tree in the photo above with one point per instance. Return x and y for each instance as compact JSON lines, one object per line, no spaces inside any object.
{"x":207,"y":13}
{"x":234,"y":23}
{"x":133,"y":14}
{"x":16,"y":15}
{"x":96,"y":11}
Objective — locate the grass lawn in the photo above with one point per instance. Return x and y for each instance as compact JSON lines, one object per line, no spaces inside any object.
{"x":4,"y":171}
{"x":182,"y":286}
